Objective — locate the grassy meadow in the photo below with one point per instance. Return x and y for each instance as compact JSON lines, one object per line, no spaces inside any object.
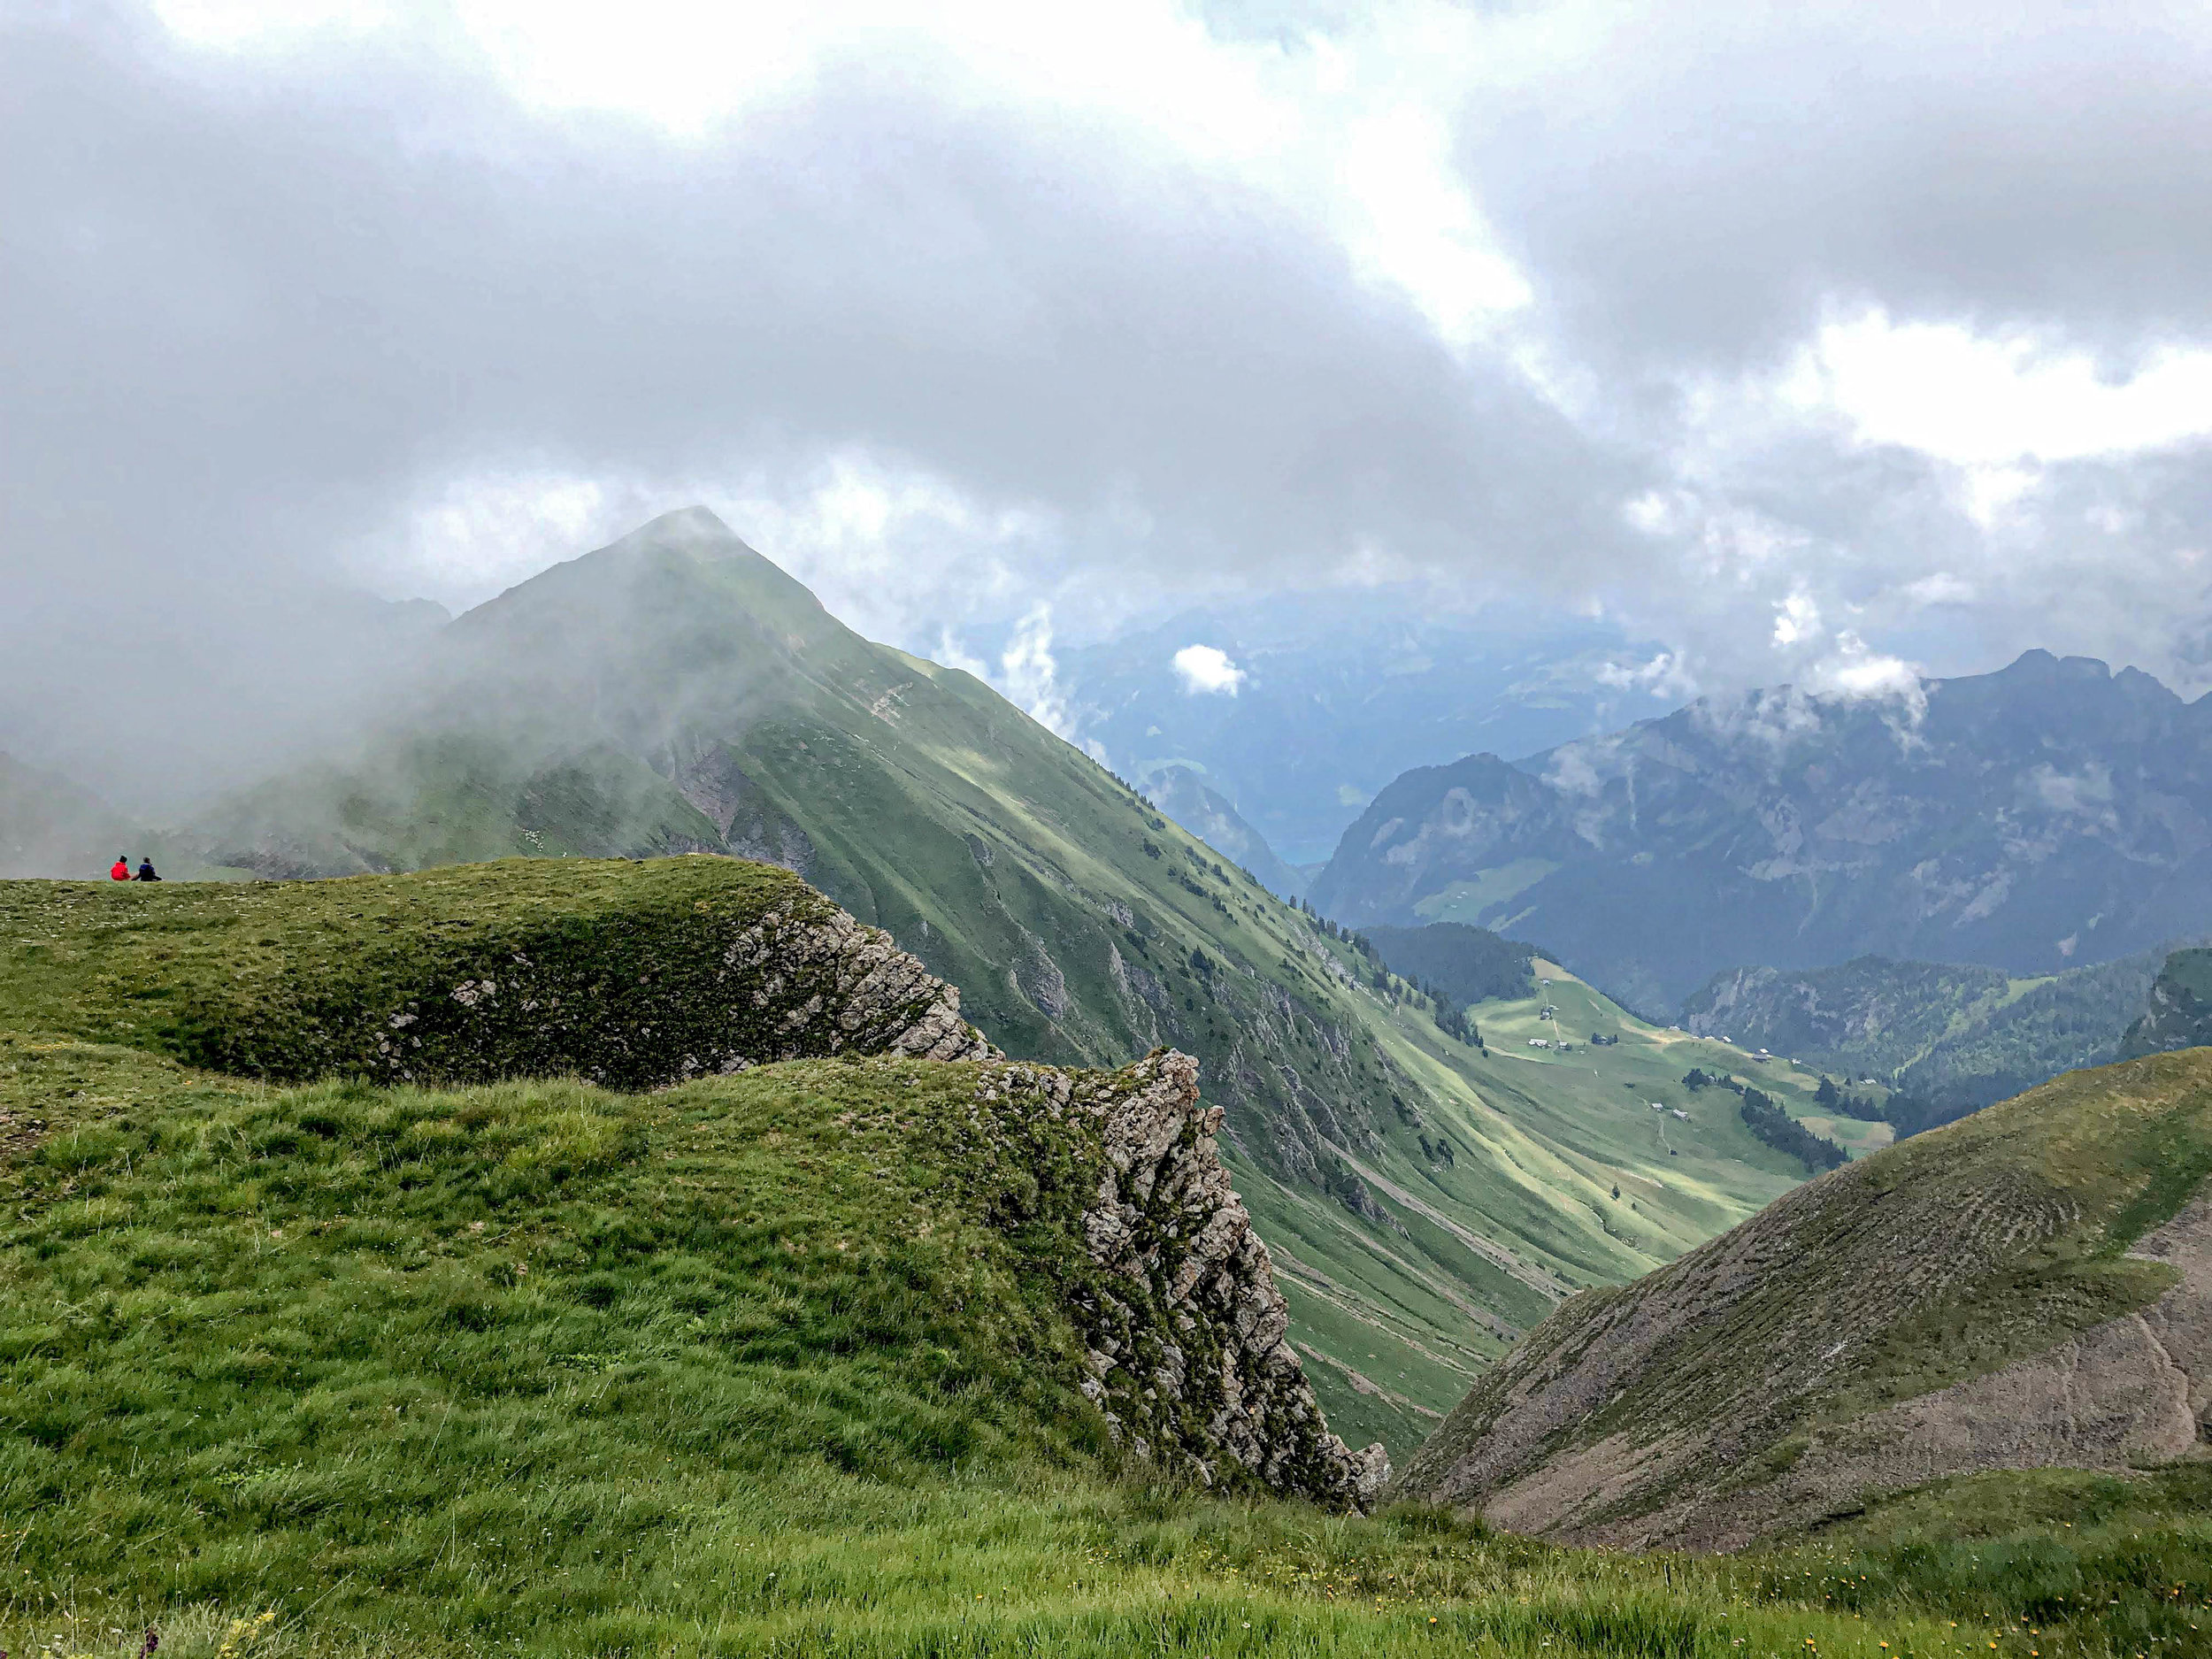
{"x":750,"y":1366}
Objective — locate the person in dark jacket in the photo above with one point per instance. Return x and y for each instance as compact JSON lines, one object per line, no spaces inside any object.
{"x":120,"y":870}
{"x":146,"y":871}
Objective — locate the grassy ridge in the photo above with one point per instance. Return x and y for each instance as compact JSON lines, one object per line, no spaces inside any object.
{"x":608,"y":967}
{"x":746,"y":1367}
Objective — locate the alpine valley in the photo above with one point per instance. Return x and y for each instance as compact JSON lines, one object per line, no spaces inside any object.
{"x":693,"y":1132}
{"x":1426,"y":1199}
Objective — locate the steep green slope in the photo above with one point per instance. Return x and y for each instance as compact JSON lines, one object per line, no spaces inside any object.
{"x":1468,"y":964}
{"x":1952,"y":1039}
{"x":676,"y":691}
{"x":2032,"y":1286}
{"x":1181,"y":793}
{"x":758,"y":1365}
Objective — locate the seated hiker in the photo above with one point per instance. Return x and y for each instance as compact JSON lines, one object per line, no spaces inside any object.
{"x":120,"y":870}
{"x":146,"y":871}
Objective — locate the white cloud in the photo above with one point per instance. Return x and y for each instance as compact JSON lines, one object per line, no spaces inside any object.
{"x":1354,"y":129}
{"x":1939,"y":587}
{"x":953,"y":653}
{"x":247,"y":25}
{"x":1995,"y":401}
{"x":1030,"y":675}
{"x":485,"y":533}
{"x":1796,"y":619}
{"x":2088,"y":793}
{"x":1206,"y":670}
{"x":1665,"y":676}
{"x":1904,"y":352}
{"x":1855,"y":673}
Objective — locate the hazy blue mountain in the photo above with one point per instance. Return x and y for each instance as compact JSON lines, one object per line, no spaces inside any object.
{"x":1185,"y":798}
{"x":2041,"y":817}
{"x":1340,"y":692}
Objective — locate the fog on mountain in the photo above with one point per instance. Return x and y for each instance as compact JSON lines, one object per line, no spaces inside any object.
{"x":1218,"y":828}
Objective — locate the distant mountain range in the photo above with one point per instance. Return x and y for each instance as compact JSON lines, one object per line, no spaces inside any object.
{"x":2047,"y":816}
{"x":1321,"y":700}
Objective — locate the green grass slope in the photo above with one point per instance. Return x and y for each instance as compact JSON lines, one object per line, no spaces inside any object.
{"x":1951,"y":1039}
{"x":633,"y":975}
{"x":677,"y":692}
{"x":2030,"y":1286}
{"x":775,"y":1364}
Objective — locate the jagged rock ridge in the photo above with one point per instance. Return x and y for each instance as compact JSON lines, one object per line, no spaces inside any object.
{"x":1193,"y":1351}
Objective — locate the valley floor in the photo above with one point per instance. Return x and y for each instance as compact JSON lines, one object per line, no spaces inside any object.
{"x":1538,"y":1172}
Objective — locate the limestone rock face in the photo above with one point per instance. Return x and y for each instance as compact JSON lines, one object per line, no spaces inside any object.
{"x":864,"y":993}
{"x":1187,"y":1354}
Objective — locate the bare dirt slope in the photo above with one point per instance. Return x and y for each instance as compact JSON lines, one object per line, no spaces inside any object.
{"x":2030,"y":1287}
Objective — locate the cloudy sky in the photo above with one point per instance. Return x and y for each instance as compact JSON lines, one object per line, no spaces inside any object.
{"x":1803,"y":339}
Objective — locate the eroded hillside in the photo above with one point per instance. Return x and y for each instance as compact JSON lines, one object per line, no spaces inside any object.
{"x":2029,"y":1288}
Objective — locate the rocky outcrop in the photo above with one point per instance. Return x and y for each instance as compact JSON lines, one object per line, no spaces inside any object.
{"x":1187,"y":1349}
{"x":749,"y":822}
{"x":861,"y":992}
{"x":2177,"y":1013}
{"x":633,"y":975}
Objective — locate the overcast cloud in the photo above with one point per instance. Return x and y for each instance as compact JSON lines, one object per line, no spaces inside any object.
{"x":1802,"y":340}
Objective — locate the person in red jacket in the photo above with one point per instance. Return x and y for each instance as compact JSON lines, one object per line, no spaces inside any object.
{"x":120,"y":871}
